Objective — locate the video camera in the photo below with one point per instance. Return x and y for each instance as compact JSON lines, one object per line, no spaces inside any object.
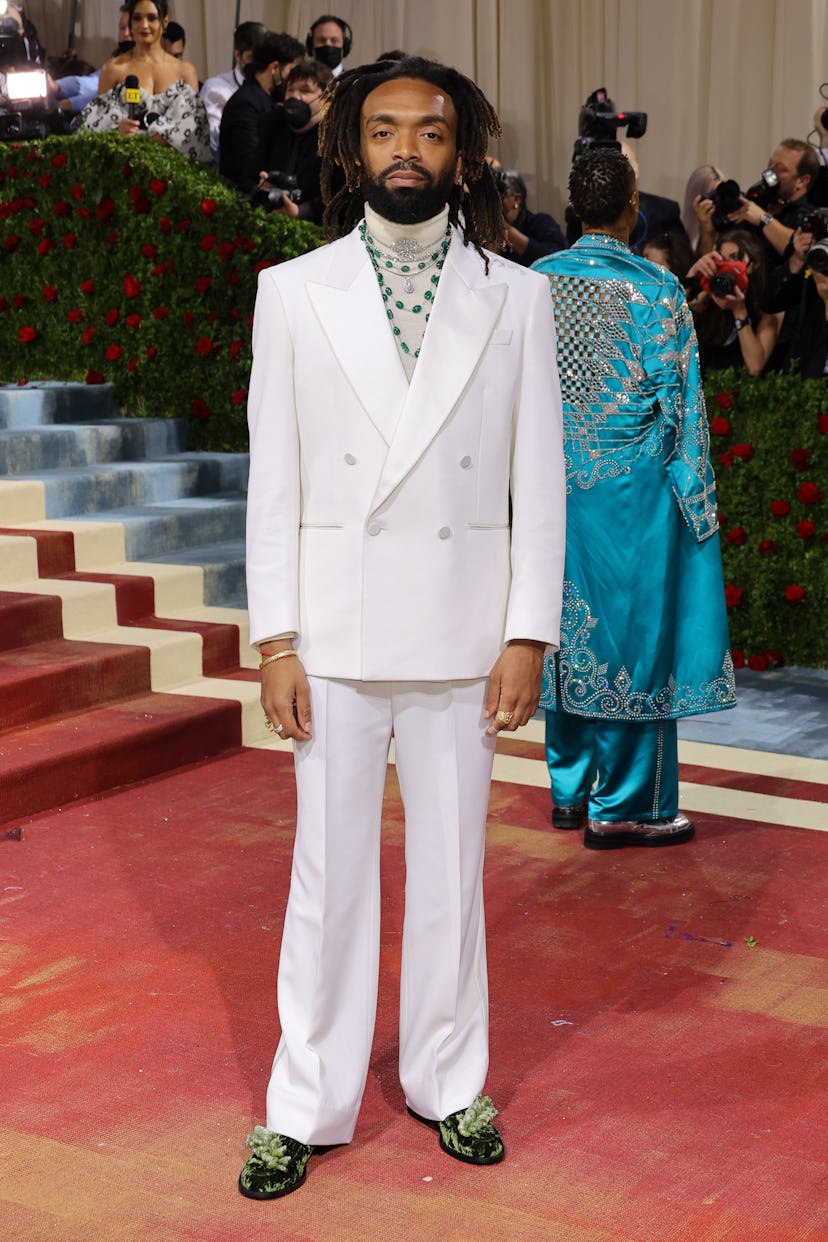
{"x":598,"y":123}
{"x":26,"y":105}
{"x":281,"y":185}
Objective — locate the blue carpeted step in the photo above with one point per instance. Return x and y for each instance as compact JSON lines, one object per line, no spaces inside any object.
{"x":35,"y":404}
{"x":224,"y":570}
{"x":114,"y":485}
{"x":151,"y":532}
{"x":28,"y":450}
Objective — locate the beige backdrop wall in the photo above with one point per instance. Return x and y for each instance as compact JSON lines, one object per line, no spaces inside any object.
{"x":722,"y":80}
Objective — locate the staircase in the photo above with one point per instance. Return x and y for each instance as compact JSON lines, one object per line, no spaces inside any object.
{"x":123,"y":635}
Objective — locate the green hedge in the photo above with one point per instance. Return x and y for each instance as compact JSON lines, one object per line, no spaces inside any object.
{"x":769,"y":439}
{"x":123,"y":261}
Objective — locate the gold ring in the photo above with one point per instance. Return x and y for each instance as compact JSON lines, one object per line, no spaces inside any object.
{"x":271,"y":727}
{"x":505,"y":717}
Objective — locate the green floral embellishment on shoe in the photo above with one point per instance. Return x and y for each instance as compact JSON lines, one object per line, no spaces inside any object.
{"x":480,"y":1114}
{"x":270,"y":1149}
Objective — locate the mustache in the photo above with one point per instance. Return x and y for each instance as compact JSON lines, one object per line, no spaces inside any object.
{"x":405,"y":166}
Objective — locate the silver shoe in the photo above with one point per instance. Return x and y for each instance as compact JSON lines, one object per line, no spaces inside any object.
{"x":602,"y":834}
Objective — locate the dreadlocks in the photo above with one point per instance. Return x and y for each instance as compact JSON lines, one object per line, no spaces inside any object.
{"x":482,"y":221}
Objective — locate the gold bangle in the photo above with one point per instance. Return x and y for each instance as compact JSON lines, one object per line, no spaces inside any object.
{"x":280,"y":655}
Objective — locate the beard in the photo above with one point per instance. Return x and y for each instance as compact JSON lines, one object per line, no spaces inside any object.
{"x":408,"y":204}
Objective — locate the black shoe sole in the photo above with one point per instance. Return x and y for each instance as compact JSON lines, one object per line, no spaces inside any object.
{"x":272,"y":1194}
{"x":456,"y":1155}
{"x":567,"y":820}
{"x":597,"y":840}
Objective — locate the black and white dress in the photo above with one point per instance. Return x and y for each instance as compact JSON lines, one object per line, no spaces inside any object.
{"x":177,"y":115}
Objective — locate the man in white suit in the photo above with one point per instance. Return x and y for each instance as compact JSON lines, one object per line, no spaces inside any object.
{"x":404,"y":389}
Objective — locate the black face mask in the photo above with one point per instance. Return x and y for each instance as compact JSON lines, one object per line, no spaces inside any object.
{"x":328,"y":55}
{"x":297,"y":113}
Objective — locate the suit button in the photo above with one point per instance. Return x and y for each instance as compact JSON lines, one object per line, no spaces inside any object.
{"x":444,"y":532}
{"x":350,"y":460}
{"x":465,"y":462}
{"x":374,"y":528}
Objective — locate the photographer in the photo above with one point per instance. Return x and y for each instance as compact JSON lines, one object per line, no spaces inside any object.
{"x":244,"y":115}
{"x":731,"y":327}
{"x":796,"y":166}
{"x":800,"y":288}
{"x":289,"y":145}
{"x":529,"y":234}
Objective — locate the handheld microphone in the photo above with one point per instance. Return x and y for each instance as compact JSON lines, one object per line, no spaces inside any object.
{"x":132,"y":97}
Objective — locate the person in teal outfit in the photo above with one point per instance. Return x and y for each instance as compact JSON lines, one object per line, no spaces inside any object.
{"x":644,"y":637}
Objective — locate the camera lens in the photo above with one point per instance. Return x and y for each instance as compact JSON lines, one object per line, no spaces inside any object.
{"x":722,"y":284}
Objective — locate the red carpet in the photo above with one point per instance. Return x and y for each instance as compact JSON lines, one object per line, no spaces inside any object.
{"x":659,"y":1080}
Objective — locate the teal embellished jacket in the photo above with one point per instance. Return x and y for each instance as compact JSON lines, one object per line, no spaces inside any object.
{"x":644,"y":631}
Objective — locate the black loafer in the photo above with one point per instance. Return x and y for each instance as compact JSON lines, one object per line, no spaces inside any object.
{"x":277,"y":1167}
{"x":601,"y":834}
{"x":469,"y":1135}
{"x":569,"y":816}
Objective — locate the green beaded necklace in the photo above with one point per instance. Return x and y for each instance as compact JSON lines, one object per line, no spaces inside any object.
{"x":385,"y":265}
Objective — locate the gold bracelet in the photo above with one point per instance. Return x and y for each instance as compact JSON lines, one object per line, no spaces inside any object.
{"x":280,"y":655}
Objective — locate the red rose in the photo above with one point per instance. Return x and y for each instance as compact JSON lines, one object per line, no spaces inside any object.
{"x":75,"y":316}
{"x":822,"y":424}
{"x":225,"y":251}
{"x":158,"y":188}
{"x":113,"y":353}
{"x":200,"y":409}
{"x":212,"y":317}
{"x":202,"y":284}
{"x":738,"y":658}
{"x":112,"y":316}
{"x":87,"y":335}
{"x":45,"y":180}
{"x":183,"y":226}
{"x":44,"y":247}
{"x":88,"y":286}
{"x":170,"y":265}
{"x":148,"y":250}
{"x":758,"y":663}
{"x":160,"y":312}
{"x":726,"y":460}
{"x":780,"y":508}
{"x":112,"y":238}
{"x":774,"y":657}
{"x":263,"y":264}
{"x":160,"y":270}
{"x":132,"y":365}
{"x":58,"y":160}
{"x":12,"y":242}
{"x":62,"y":209}
{"x":132,"y":287}
{"x":806,"y":528}
{"x":724,"y":400}
{"x":800,"y":458}
{"x":794,"y":593}
{"x":808,"y":493}
{"x":19,"y":300}
{"x":150,"y":352}
{"x":745,"y":451}
{"x":233,"y":277}
{"x":204,"y":346}
{"x":208,"y":206}
{"x":239,"y":396}
{"x":165,"y":224}
{"x":94,"y":377}
{"x":27,"y":334}
{"x":133,"y":320}
{"x":104,"y":209}
{"x":76,"y":192}
{"x":187,"y":319}
{"x":50,"y":293}
{"x":36,"y":226}
{"x":767,"y":547}
{"x":70,"y":241}
{"x":737,"y":536}
{"x":235,"y":349}
{"x":733,"y":595}
{"x":208,"y":242}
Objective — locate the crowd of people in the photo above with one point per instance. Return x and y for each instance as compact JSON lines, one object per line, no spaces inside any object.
{"x":753,"y":264}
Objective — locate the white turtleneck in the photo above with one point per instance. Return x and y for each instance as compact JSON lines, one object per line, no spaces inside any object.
{"x":427,"y":236}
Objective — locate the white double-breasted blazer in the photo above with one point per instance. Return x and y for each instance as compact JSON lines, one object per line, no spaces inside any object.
{"x":378,"y":523}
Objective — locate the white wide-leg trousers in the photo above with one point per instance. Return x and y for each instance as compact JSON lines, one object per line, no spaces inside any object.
{"x":327,"y":985}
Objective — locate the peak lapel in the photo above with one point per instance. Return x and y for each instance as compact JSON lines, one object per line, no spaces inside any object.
{"x":350,"y":309}
{"x":465,"y":312}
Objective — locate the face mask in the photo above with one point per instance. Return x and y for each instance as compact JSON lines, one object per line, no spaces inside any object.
{"x":328,"y":55}
{"x":297,"y":113}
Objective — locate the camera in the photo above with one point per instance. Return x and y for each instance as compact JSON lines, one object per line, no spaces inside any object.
{"x":26,"y":106}
{"x":814,"y":220}
{"x":818,"y":257}
{"x":725,"y":197}
{"x":599,"y":122}
{"x":281,"y":185}
{"x":765,"y":191}
{"x":729,"y":275}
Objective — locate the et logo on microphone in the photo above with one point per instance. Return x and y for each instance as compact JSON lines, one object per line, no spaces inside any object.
{"x":132,"y":91}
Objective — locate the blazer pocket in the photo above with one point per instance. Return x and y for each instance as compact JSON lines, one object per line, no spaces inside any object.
{"x":321,"y":525}
{"x":488,"y":525}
